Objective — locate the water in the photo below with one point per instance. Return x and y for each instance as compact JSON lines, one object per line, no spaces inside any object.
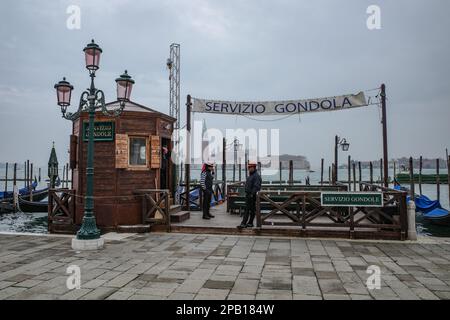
{"x":37,"y":222}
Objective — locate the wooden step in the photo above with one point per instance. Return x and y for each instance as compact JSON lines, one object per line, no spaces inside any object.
{"x":137,"y":228}
{"x":179,"y":216}
{"x":174,"y":208}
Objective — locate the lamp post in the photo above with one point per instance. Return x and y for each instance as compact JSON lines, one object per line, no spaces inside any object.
{"x":345,"y":145}
{"x":91,"y":100}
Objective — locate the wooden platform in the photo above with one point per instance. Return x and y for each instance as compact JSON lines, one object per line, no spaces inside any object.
{"x":226,"y":223}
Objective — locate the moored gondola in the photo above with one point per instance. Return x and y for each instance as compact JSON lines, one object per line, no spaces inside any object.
{"x":32,"y":206}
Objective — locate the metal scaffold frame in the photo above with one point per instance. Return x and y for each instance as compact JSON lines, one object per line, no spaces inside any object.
{"x":173,"y":64}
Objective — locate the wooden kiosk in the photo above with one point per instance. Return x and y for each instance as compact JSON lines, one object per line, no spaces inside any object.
{"x":129,"y":154}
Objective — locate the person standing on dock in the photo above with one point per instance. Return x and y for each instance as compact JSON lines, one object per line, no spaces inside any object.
{"x":206,"y":183}
{"x":252,"y":186}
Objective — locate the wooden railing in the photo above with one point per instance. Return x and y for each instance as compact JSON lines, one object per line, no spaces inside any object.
{"x":303,"y":210}
{"x":155,"y":206}
{"x":61,"y":207}
{"x":196,"y":204}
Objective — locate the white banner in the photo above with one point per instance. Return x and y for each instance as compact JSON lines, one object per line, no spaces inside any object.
{"x":263,"y":108}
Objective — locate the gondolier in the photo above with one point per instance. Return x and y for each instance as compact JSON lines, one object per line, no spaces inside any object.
{"x":206,"y":183}
{"x":252,"y":186}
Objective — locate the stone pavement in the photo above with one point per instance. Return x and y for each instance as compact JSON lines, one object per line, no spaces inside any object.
{"x":185,"y":266}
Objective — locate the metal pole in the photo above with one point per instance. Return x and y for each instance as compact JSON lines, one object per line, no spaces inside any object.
{"x":354,"y":175}
{"x":224,"y":163}
{"x":385,"y":145}
{"x":89,"y":228}
{"x":336,"y":143}
{"x":187,"y":170}
{"x":349,"y":173}
{"x":246,"y":163}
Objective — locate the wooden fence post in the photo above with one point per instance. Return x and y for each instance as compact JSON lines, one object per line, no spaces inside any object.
{"x":420,"y":175}
{"x":411,"y":178}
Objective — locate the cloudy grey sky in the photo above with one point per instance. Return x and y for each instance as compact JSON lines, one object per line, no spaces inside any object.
{"x":235,"y":50}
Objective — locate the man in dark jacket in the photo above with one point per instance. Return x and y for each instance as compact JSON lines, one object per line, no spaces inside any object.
{"x":252,"y":186}
{"x":206,"y":183}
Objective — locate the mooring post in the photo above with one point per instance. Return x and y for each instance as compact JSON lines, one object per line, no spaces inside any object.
{"x":385,"y":144}
{"x":15,"y":186}
{"x":181,"y":172}
{"x":438,"y":181}
{"x":25,"y":174}
{"x":360,"y":171}
{"x":281,"y":172}
{"x":64,"y":176}
{"x":39,"y":174}
{"x":240,"y":170}
{"x":411,"y":178}
{"x":448,"y":176}
{"x":28,"y":174}
{"x":420,"y":175}
{"x":412,"y":234}
{"x":381,"y":172}
{"x":349,"y":173}
{"x":259,"y":168}
{"x":291,"y":172}
{"x":329,"y":175}
{"x":31,"y":184}
{"x":395,"y":170}
{"x":6,"y":179}
{"x":371,"y":172}
{"x":321,"y":171}
{"x":187,"y":161}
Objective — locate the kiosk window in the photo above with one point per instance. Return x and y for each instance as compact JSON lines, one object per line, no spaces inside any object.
{"x":138,"y":151}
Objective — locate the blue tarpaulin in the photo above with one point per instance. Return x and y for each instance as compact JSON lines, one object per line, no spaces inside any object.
{"x":436,"y":213}
{"x":424,"y":204}
{"x":22,"y":191}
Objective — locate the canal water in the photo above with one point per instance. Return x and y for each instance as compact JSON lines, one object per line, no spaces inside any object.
{"x":37,"y":222}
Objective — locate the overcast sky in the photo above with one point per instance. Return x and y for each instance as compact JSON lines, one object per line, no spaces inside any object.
{"x":235,"y":50}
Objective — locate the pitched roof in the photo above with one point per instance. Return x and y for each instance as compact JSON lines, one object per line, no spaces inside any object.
{"x":133,"y":106}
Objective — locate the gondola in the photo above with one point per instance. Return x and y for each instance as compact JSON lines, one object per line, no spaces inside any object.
{"x":38,"y":195}
{"x":32,"y":206}
{"x":438,"y":216}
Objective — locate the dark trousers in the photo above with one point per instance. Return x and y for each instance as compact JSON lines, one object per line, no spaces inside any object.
{"x":250,"y":207}
{"x":206,"y":202}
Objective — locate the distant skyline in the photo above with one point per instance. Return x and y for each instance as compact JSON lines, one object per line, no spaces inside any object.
{"x":235,"y":50}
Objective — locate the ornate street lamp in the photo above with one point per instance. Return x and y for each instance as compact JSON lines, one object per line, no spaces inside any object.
{"x":345,"y":145}
{"x":91,"y":100}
